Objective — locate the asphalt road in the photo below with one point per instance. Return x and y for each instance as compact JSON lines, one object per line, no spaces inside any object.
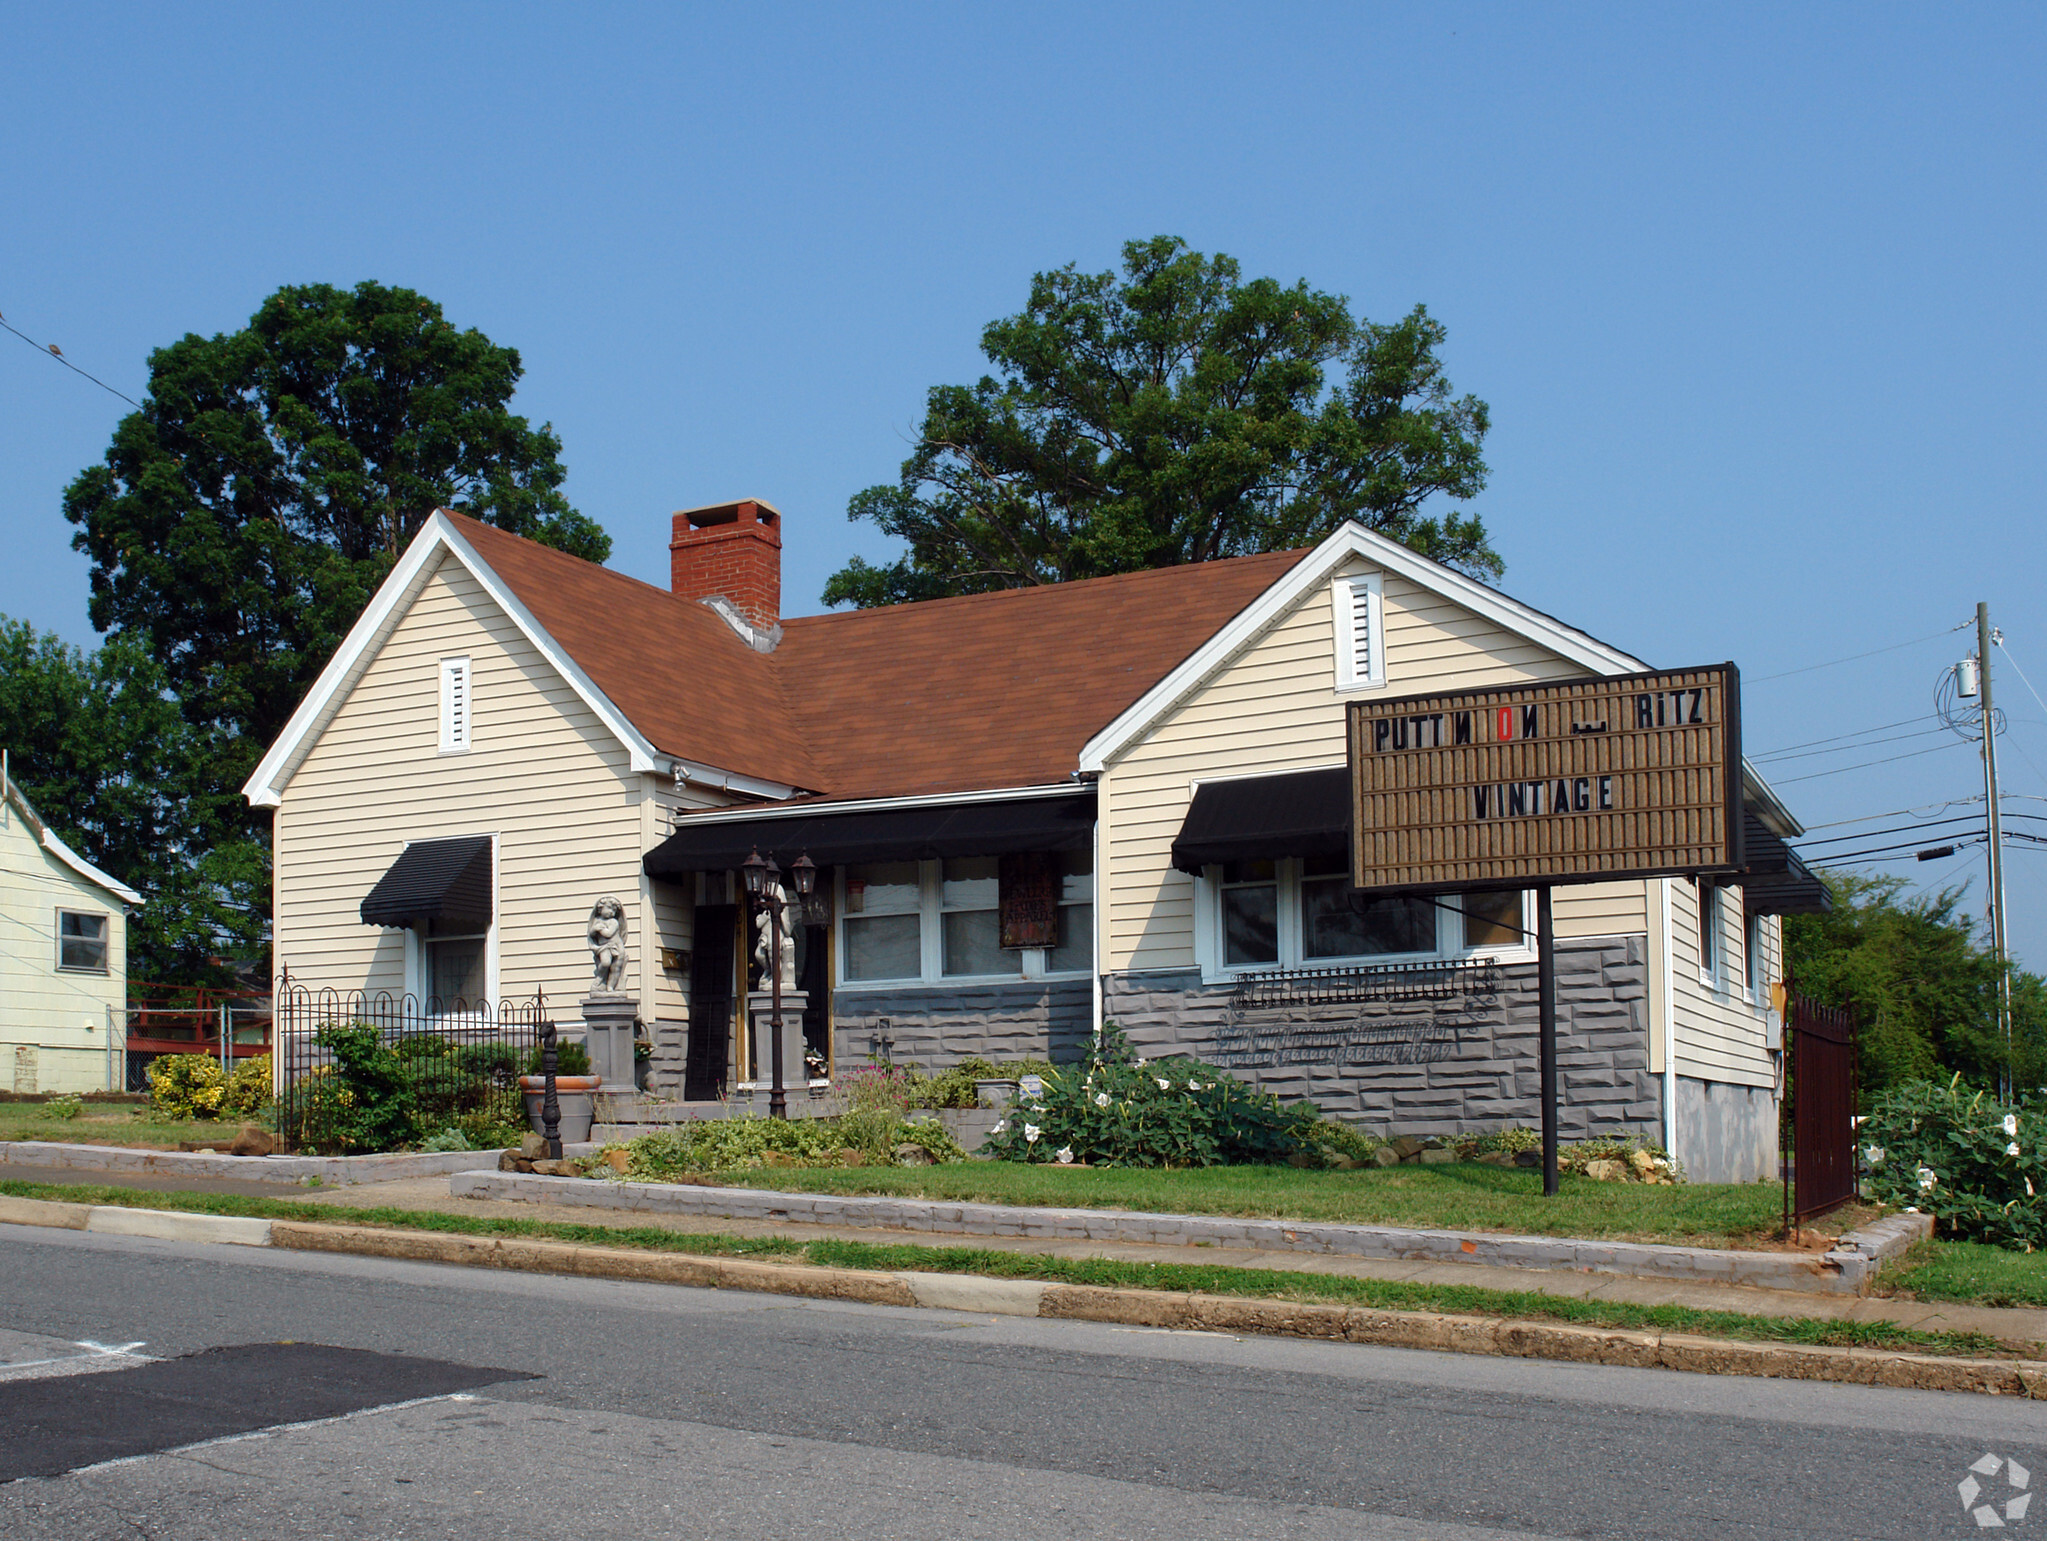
{"x":367,"y":1399}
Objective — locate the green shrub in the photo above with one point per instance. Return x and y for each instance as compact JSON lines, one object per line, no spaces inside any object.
{"x":446,"y":1139}
{"x":186,"y":1085}
{"x":65,"y":1108}
{"x":364,"y":1101}
{"x":248,"y":1090}
{"x":865,"y":1136}
{"x":570,"y":1058}
{"x":487,"y":1061}
{"x":1340,"y":1139}
{"x":1961,"y":1155}
{"x":932,"y":1136}
{"x":1118,"y":1110}
{"x":422,"y":1046}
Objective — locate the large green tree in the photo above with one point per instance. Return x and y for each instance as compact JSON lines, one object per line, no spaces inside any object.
{"x":242,"y":518}
{"x":1174,"y":413}
{"x":106,"y":756}
{"x":1920,"y":982}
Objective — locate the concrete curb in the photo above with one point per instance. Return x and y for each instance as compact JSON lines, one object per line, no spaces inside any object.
{"x":336,"y":1170}
{"x":1071,"y":1302}
{"x":1847,"y":1271}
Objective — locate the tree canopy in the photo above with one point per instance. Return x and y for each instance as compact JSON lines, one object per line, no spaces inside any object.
{"x":242,"y":518}
{"x":1175,"y":413}
{"x":108,"y":760}
{"x":1923,"y":988}
{"x":237,"y":525}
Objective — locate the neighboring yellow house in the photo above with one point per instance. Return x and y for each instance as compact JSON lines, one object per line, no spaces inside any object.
{"x":63,"y":959}
{"x":1032,"y":812}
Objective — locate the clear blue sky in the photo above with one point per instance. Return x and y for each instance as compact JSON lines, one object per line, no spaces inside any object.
{"x":1755,"y":294}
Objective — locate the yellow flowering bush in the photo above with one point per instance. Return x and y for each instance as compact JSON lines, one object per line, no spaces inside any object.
{"x":187,"y":1085}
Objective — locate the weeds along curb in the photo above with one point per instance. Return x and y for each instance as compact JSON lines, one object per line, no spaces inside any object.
{"x":1502,"y":1337}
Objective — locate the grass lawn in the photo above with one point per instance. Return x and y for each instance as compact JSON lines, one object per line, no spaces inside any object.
{"x":1972,"y":1272}
{"x":112,"y":1123}
{"x":1452,"y":1196}
{"x":1259,"y":1283}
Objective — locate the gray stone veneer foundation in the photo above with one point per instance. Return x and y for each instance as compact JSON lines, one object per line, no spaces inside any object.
{"x":1463,"y":1065}
{"x":1726,"y":1133}
{"x":933,"y":1026}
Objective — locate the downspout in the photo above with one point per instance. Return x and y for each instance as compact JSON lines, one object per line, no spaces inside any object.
{"x":1669,"y":1024}
{"x":1099,"y":910}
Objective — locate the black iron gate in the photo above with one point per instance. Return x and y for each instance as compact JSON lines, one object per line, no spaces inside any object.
{"x":1819,"y":1108}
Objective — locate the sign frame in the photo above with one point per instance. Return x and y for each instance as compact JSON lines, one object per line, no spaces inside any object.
{"x":1359,"y":714}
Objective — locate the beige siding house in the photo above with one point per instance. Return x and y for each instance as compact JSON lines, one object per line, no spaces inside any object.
{"x":558,"y":732}
{"x":63,"y":959}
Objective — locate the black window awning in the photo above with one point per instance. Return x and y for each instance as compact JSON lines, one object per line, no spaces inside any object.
{"x":434,"y":880}
{"x":1064,"y":823}
{"x":1298,"y":813}
{"x":1775,"y":881}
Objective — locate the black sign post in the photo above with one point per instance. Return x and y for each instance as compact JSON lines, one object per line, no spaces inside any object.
{"x":1546,"y":1011}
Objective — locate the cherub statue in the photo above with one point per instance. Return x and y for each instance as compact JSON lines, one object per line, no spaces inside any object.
{"x":607,"y":946}
{"x":777,"y":898}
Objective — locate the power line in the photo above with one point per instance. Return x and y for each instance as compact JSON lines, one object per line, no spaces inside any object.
{"x":1882,"y":727}
{"x":1842,"y":748}
{"x":1900,"y":813}
{"x":51,"y":350}
{"x":1840,"y":770}
{"x":1898,"y":829}
{"x":1835,"y":663}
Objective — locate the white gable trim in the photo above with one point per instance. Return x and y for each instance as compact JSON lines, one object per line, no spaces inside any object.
{"x":47,"y":839}
{"x":1316,"y":568}
{"x":438,"y":537}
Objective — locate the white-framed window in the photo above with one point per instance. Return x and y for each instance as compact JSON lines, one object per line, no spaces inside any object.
{"x":1356,"y":603}
{"x":1301,"y":912}
{"x":83,"y":941}
{"x":454,"y":966}
{"x":457,"y":705}
{"x":932,"y":922}
{"x":1754,"y":964}
{"x":1712,"y":951}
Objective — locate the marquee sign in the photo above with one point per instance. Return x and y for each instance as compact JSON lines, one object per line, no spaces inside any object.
{"x":1570,"y":782}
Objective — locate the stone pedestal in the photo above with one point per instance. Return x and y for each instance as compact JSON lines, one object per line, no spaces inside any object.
{"x":608,"y":1035}
{"x":795,"y":1079}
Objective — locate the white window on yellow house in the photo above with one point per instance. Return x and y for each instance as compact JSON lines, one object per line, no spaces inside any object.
{"x":457,"y":706}
{"x":1302,"y":912}
{"x":82,"y":942}
{"x":1356,"y":605}
{"x":925,"y":922}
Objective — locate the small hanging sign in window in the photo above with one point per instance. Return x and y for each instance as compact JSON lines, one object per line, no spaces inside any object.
{"x":1028,"y":889}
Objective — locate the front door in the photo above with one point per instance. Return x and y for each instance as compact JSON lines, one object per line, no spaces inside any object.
{"x":710,"y":1002}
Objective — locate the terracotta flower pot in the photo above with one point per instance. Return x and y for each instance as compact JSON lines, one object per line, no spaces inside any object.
{"x":576,"y":1095}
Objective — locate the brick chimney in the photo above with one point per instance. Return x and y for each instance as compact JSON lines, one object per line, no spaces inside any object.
{"x":730,"y":551}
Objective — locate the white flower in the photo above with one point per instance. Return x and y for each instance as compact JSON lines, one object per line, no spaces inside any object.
{"x":1928,"y":1179}
{"x":1140,"y":1062}
{"x":2029,"y":1187}
{"x":1031,"y":1133}
{"x":1876,"y":1155}
{"x":2011,"y":1125}
{"x":2012,"y":1149}
{"x":1065,"y":1155}
{"x":1911,"y":1209}
{"x":1165,"y":1085}
{"x":1196,"y":1086}
{"x":1000,"y":1125}
{"x":1101,"y":1099}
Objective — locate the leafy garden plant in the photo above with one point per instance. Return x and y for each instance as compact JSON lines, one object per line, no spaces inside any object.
{"x":187,"y":1085}
{"x":1120,"y":1110}
{"x":1977,"y":1164}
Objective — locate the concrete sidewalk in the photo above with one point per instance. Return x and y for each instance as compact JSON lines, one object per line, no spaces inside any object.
{"x":2019,"y":1327}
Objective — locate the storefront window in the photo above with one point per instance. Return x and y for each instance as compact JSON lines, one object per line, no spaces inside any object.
{"x":1075,"y":953}
{"x":1250,"y":912}
{"x":1303,"y":911}
{"x":968,"y":900}
{"x":884,"y":934}
{"x":1335,"y":925}
{"x":1493,"y":919}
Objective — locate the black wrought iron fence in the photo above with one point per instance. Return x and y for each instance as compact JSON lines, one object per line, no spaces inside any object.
{"x":359,"y":1072}
{"x":1444,"y":980}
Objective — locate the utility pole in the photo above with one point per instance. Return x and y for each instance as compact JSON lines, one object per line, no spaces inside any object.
{"x":1997,"y":930}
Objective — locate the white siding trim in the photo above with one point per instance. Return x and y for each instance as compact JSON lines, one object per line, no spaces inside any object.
{"x":1667,"y":1028}
{"x":1352,"y":540}
{"x":878,"y":804}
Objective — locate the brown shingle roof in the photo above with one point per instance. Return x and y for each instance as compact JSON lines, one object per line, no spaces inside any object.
{"x":989,"y":690}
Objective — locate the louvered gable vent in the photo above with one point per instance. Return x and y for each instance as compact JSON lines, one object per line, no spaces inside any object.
{"x":455,"y":705}
{"x":1360,"y":635}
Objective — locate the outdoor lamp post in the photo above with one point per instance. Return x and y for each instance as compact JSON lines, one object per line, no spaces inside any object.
{"x":764,"y":888}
